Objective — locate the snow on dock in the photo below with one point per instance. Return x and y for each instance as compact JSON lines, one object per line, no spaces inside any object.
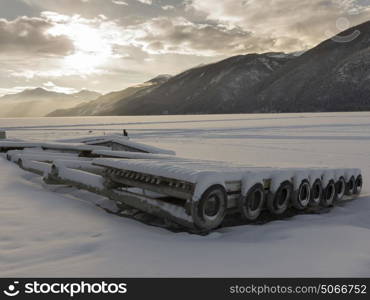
{"x":129,"y":154}
{"x":192,"y":170}
{"x":57,"y":231}
{"x":50,"y":145}
{"x":128,"y":145}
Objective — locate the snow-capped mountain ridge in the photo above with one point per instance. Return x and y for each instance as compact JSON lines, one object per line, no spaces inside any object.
{"x":107,"y":102}
{"x":332,"y":76}
{"x":39,"y":101}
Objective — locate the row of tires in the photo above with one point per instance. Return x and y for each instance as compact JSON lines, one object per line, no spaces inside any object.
{"x":209,"y":212}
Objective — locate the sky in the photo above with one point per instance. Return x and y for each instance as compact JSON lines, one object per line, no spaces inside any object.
{"x":107,"y":45}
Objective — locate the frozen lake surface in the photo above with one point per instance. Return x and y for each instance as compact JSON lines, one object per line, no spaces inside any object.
{"x":60,"y":232}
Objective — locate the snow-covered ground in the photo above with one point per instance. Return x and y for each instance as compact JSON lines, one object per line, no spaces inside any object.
{"x":48,"y":231}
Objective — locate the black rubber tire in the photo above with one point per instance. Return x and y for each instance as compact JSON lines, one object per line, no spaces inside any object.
{"x":209,"y":212}
{"x":350,"y":186}
{"x":358,"y":185}
{"x":316,"y":193}
{"x":279,"y":202}
{"x":329,"y":195}
{"x":340,"y":188}
{"x":301,"y":198}
{"x":252,"y":204}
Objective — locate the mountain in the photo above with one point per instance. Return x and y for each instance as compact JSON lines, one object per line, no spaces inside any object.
{"x":107,"y":102}
{"x":42,"y":94}
{"x":334,"y":76}
{"x":38,"y":102}
{"x":213,"y":88}
{"x":86,"y":95}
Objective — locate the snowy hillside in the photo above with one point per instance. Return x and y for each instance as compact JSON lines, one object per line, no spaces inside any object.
{"x":330,"y":77}
{"x":209,"y":88}
{"x":39,"y":102}
{"x":58,"y":231}
{"x":108,"y":101}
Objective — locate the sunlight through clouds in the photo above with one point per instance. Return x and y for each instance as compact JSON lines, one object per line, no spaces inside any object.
{"x":93,"y":40}
{"x":105,"y":41}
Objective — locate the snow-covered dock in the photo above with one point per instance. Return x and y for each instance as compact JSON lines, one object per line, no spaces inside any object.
{"x":197,"y":194}
{"x":86,"y":145}
{"x":57,"y":231}
{"x":206,"y":191}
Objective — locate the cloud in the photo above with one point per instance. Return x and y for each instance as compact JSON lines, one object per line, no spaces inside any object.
{"x":288,"y":24}
{"x":119,"y":2}
{"x":149,"y":2}
{"x":93,"y":40}
{"x":15,"y":90}
{"x":168,"y":7}
{"x":30,"y":36}
{"x":49,"y":86}
{"x":180,"y":36}
{"x":52,"y":87}
{"x":74,"y":43}
{"x":56,"y":45}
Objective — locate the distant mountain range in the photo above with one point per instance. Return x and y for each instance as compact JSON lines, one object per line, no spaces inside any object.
{"x":333,"y":76}
{"x":107,"y":102}
{"x":213,"y":88}
{"x":39,"y":102}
